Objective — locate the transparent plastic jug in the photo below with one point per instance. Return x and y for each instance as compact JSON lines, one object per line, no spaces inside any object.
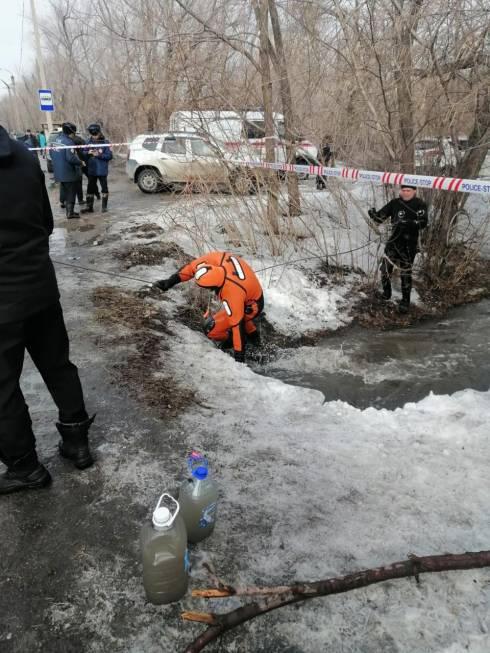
{"x":164,"y":550}
{"x":198,"y":498}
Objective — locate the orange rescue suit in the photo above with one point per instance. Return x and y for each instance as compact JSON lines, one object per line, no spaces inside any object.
{"x":240,"y":294}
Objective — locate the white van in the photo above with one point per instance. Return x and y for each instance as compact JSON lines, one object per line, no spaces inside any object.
{"x":240,"y":134}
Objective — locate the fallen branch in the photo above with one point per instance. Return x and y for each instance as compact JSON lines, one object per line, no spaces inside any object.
{"x":272,"y":598}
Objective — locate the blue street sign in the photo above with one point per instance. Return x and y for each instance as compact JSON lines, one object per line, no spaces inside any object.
{"x":46,"y":100}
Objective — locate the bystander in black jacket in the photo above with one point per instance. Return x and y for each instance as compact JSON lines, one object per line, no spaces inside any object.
{"x":31,"y":319}
{"x":27,"y":278}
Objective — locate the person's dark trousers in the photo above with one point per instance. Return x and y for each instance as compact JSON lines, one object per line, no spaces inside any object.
{"x":92,"y":185}
{"x":79,"y":191}
{"x":386,"y":272}
{"x":92,"y":189}
{"x":44,"y":336}
{"x":321,"y":182}
{"x":403,"y":257}
{"x":70,"y":193}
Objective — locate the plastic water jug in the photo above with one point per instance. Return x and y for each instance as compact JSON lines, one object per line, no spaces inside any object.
{"x":165,"y":557}
{"x":198,"y":498}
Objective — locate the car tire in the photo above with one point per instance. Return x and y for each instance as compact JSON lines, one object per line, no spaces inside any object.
{"x":149,"y":180}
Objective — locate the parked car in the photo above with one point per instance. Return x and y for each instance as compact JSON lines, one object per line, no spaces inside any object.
{"x":171,"y":160}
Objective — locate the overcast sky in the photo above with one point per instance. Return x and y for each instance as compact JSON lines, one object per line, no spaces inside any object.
{"x":16,"y":44}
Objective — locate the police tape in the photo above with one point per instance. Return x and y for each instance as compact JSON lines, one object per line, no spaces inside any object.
{"x":85,"y":146}
{"x":454,"y":184}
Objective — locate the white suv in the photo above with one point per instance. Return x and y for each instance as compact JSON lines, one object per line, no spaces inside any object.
{"x":160,"y":161}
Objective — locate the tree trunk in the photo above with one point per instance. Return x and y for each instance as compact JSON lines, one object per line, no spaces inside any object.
{"x":262,"y":17}
{"x":447,"y":204}
{"x":403,"y":76}
{"x":287,"y":109}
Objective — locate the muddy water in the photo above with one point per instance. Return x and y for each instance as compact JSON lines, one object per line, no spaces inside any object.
{"x":386,"y":369}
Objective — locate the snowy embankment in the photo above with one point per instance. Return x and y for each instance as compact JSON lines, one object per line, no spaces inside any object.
{"x":314,"y":489}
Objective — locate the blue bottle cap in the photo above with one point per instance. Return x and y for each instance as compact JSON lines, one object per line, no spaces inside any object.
{"x":200,"y":473}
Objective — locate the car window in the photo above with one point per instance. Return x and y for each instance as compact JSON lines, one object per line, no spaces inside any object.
{"x":254,"y":129}
{"x":201,"y":148}
{"x":427,"y":145}
{"x":174,"y":146}
{"x":151,"y":143}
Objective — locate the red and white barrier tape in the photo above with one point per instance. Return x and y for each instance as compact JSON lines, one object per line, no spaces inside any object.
{"x":479,"y":186}
{"x":455,"y":184}
{"x":85,"y":146}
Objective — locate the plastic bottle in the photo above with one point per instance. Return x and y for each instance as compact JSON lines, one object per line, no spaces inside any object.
{"x":165,"y":557}
{"x":198,"y":498}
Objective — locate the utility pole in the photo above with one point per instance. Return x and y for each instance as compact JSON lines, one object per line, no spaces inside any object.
{"x":13,"y":100}
{"x":42,"y":72}
{"x":10,"y":113}
{"x":16,"y":104}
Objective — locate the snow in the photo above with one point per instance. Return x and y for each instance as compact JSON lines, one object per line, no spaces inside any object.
{"x":314,"y":489}
{"x":294,"y":304}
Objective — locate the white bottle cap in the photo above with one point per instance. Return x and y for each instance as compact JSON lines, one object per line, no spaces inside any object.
{"x":161,"y":517}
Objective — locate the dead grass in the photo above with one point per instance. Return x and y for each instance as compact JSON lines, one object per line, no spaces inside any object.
{"x":374,"y":313}
{"x":152,"y":254}
{"x":142,"y":372}
{"x":145,"y":230}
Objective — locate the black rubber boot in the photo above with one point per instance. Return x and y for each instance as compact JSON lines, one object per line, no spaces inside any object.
{"x":89,"y":208}
{"x":26,"y":473}
{"x":404,"y":306}
{"x":70,"y":212}
{"x":74,"y":443}
{"x":105,"y":199}
{"x":386,"y":285}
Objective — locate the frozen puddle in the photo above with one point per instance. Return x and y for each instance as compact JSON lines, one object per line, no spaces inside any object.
{"x":387,"y":369}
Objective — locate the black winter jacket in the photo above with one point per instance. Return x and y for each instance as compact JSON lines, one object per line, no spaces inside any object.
{"x":407,"y":218}
{"x":27,"y":277}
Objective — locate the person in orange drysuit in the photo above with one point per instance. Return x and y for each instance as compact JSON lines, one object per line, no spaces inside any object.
{"x":239,"y":291}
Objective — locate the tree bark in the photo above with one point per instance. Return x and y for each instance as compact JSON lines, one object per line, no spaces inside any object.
{"x":273,"y":598}
{"x":262,"y":17}
{"x":403,"y":78}
{"x":287,"y":109}
{"x":447,"y":205}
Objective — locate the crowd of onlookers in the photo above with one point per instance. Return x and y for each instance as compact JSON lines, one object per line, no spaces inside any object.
{"x":32,"y":139}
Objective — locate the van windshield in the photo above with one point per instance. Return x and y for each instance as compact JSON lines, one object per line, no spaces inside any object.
{"x":255,"y":129}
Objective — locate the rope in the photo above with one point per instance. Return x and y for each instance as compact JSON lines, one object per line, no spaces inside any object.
{"x":110,"y":274}
{"x":319,"y":256}
{"x":146,"y":281}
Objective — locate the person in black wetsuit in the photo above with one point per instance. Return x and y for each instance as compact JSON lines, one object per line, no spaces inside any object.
{"x":408,"y":215}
